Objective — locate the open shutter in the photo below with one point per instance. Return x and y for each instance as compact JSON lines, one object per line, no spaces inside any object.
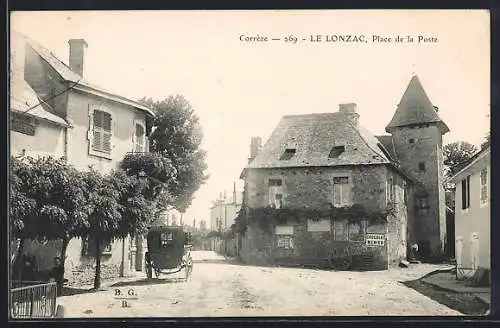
{"x":107,"y":132}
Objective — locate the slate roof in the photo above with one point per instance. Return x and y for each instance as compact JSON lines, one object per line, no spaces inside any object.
{"x":314,"y":136}
{"x":415,"y":108}
{"x":79,"y":83}
{"x":386,"y":141}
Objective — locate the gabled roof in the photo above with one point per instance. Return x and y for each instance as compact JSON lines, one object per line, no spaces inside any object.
{"x":468,"y":166}
{"x":313,"y":136}
{"x":24,"y":100}
{"x":387,"y":143}
{"x":79,"y":83}
{"x":415,"y":108}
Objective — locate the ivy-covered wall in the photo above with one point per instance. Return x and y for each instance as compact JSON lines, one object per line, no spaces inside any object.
{"x":311,"y":188}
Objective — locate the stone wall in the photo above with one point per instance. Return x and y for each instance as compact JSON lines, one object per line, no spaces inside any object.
{"x":426,"y":148}
{"x":311,"y":249}
{"x":312,"y":187}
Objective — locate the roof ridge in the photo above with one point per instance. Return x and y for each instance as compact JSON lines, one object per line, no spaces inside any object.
{"x":363,"y":138}
{"x":310,"y":114}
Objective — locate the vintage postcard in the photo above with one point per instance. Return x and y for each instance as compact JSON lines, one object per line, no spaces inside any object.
{"x":249,"y":163}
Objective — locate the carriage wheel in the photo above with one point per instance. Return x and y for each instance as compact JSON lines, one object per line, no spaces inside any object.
{"x":340,"y":258}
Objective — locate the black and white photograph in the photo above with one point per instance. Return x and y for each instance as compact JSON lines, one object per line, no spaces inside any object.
{"x":249,"y":163}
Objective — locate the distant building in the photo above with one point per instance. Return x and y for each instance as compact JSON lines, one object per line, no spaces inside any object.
{"x":224,"y":211}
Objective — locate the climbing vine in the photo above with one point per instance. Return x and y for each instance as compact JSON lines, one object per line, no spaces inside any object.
{"x":266,"y":218}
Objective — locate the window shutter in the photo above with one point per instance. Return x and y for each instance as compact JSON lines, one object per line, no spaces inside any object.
{"x":106,"y":141}
{"x":468,"y":191}
{"x":97,"y":139}
{"x":106,"y":121}
{"x":464,"y":194}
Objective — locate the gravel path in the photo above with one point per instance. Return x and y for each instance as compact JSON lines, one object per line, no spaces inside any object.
{"x":222,"y":289}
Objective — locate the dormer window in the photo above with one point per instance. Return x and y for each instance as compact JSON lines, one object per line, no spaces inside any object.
{"x":288,"y":154}
{"x":336,"y":151}
{"x":290,"y":150}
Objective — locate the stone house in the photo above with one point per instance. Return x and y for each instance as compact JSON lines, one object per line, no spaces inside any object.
{"x":319,"y":161}
{"x":472,"y":212}
{"x":56,"y":112}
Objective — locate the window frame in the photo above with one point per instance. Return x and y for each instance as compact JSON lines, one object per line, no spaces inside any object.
{"x":349,"y":185}
{"x":275,"y":190}
{"x":337,"y":150}
{"x":90,"y":135}
{"x":135,"y":142}
{"x":465,"y":193}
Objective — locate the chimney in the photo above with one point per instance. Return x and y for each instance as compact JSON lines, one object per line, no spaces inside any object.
{"x":77,"y":55}
{"x":234,"y":193}
{"x":255,"y":145}
{"x":350,"y":110}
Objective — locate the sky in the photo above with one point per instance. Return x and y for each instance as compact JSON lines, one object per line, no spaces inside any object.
{"x":241,"y":89}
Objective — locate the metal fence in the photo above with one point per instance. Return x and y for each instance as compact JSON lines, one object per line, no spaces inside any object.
{"x":33,"y":299}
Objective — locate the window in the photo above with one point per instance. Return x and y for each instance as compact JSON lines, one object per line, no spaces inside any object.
{"x":390,"y":190}
{"x":284,"y":237}
{"x":339,"y":230}
{"x":421,"y":166}
{"x":139,"y":138}
{"x":422,"y":202}
{"x":484,"y":185}
{"x":275,"y":193}
{"x":22,"y":124}
{"x":336,"y":151}
{"x":466,"y":193}
{"x":411,"y":141}
{"x":166,"y":238}
{"x":323,"y":225}
{"x":288,"y":154}
{"x":101,"y":132}
{"x":284,"y":242}
{"x":341,"y":191}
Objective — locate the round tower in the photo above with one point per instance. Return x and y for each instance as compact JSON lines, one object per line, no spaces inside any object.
{"x":417,"y":136}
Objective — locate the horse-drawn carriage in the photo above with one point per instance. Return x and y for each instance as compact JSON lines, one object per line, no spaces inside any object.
{"x":169,"y":251}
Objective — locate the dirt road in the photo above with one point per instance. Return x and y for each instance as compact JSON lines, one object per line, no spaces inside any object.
{"x":218,"y":288}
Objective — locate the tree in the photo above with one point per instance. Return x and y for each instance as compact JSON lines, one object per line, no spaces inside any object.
{"x":160,"y":174}
{"x":177,"y":136}
{"x":486,"y":140}
{"x":22,"y":208}
{"x":47,"y":202}
{"x":105,"y":214}
{"x":456,"y":153}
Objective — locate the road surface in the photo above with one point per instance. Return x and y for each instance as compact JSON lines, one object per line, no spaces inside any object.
{"x":218,"y":288}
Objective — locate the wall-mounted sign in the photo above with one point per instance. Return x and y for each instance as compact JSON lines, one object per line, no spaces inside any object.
{"x":373,"y":239}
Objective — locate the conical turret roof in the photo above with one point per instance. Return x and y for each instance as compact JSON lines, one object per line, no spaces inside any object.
{"x":415,"y":108}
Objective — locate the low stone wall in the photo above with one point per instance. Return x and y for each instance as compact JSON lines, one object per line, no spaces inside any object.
{"x":84,"y":274}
